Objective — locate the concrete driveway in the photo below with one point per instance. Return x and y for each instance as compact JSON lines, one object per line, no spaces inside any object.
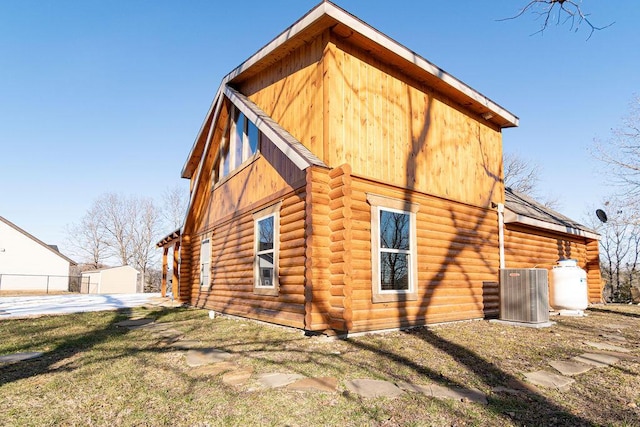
{"x":13,"y":307}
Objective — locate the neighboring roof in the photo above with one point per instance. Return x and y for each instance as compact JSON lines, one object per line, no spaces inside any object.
{"x":51,"y":248}
{"x":328,"y":15}
{"x":524,"y":210}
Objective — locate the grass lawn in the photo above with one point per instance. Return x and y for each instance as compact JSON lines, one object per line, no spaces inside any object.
{"x":94,"y":373}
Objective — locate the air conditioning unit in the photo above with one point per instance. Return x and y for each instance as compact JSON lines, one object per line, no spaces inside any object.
{"x":524,"y":295}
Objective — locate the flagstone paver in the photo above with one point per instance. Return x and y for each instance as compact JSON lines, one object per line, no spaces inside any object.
{"x":415,"y":388}
{"x":134,"y":323}
{"x":621,"y":356}
{"x":439,"y":391}
{"x":19,"y":357}
{"x":157,"y":327}
{"x":457,"y":393}
{"x":614,"y":337}
{"x":237,"y":377}
{"x":213,"y":369}
{"x":549,"y":379}
{"x":321,"y":384}
{"x":205,"y":356}
{"x":598,"y":360}
{"x":277,"y":380}
{"x":570,"y":368}
{"x":606,"y":346}
{"x":373,"y":388}
{"x":212,"y":362}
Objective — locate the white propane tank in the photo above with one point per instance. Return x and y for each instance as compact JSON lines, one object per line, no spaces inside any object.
{"x":568,"y":286}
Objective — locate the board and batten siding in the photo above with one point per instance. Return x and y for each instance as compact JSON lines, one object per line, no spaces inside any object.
{"x":388,"y":127}
{"x":290,"y":92}
{"x":393,"y":129}
{"x":527,"y":247}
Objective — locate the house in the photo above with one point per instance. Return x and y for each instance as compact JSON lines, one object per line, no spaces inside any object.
{"x":111,"y":280}
{"x":342,"y":183}
{"x":29,"y":264}
{"x":536,"y":236}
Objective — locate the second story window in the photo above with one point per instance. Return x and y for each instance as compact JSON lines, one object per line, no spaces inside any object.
{"x":239,"y":144}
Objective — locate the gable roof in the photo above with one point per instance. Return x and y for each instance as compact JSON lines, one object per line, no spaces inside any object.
{"x":327,"y":15}
{"x":52,"y":248}
{"x":524,"y":210}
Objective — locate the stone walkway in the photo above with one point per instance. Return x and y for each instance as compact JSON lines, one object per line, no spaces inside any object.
{"x":211,"y":361}
{"x":607,"y":352}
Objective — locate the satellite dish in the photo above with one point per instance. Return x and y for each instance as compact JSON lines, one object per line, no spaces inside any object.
{"x":601,"y":215}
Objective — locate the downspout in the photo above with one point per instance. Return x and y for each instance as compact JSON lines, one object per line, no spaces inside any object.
{"x":501,"y":233}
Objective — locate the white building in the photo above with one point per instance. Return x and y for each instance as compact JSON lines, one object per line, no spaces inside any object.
{"x":113,"y":280}
{"x":28,"y":264}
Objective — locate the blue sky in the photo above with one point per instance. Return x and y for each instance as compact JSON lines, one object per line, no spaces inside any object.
{"x":108,"y":96}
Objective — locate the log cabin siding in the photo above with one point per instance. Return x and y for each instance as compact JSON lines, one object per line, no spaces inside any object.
{"x":383,"y":126}
{"x":457,"y":253}
{"x":226,"y":218}
{"x":320,"y":315}
{"x":527,"y":247}
{"x":232,"y":279}
{"x":390,"y":128}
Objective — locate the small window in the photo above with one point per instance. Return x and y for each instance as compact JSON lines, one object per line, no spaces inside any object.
{"x":205,"y":264}
{"x":267,"y":237}
{"x":393,"y":249}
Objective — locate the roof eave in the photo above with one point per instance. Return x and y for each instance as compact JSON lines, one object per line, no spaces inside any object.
{"x":328,"y":15}
{"x":513,"y":217}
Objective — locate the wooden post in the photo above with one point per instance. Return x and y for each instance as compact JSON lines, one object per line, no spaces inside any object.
{"x":175,"y":278}
{"x":163,"y":286}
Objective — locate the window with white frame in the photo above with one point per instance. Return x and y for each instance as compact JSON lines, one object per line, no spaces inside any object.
{"x":393,"y":249}
{"x":205,"y":263}
{"x":266,"y":248}
{"x":239,"y":144}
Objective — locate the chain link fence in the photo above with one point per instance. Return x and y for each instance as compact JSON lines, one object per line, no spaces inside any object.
{"x":36,"y":283}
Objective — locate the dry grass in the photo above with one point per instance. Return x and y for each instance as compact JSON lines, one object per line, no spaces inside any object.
{"x":94,"y":373}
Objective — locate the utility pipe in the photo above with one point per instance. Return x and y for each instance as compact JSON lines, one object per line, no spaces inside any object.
{"x":501,"y":233}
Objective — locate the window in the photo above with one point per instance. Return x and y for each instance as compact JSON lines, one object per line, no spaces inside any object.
{"x":393,"y":249}
{"x":238,"y":145}
{"x":205,"y":264}
{"x":266,"y":248}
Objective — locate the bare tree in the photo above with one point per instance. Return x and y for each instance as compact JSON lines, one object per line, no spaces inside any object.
{"x":520,"y":175}
{"x":117,"y":225}
{"x":144,"y":233}
{"x":174,"y":207}
{"x":619,"y":249}
{"x":120,"y":228}
{"x":88,"y":239}
{"x":523,"y":176}
{"x":559,"y":12}
{"x":621,"y":152}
